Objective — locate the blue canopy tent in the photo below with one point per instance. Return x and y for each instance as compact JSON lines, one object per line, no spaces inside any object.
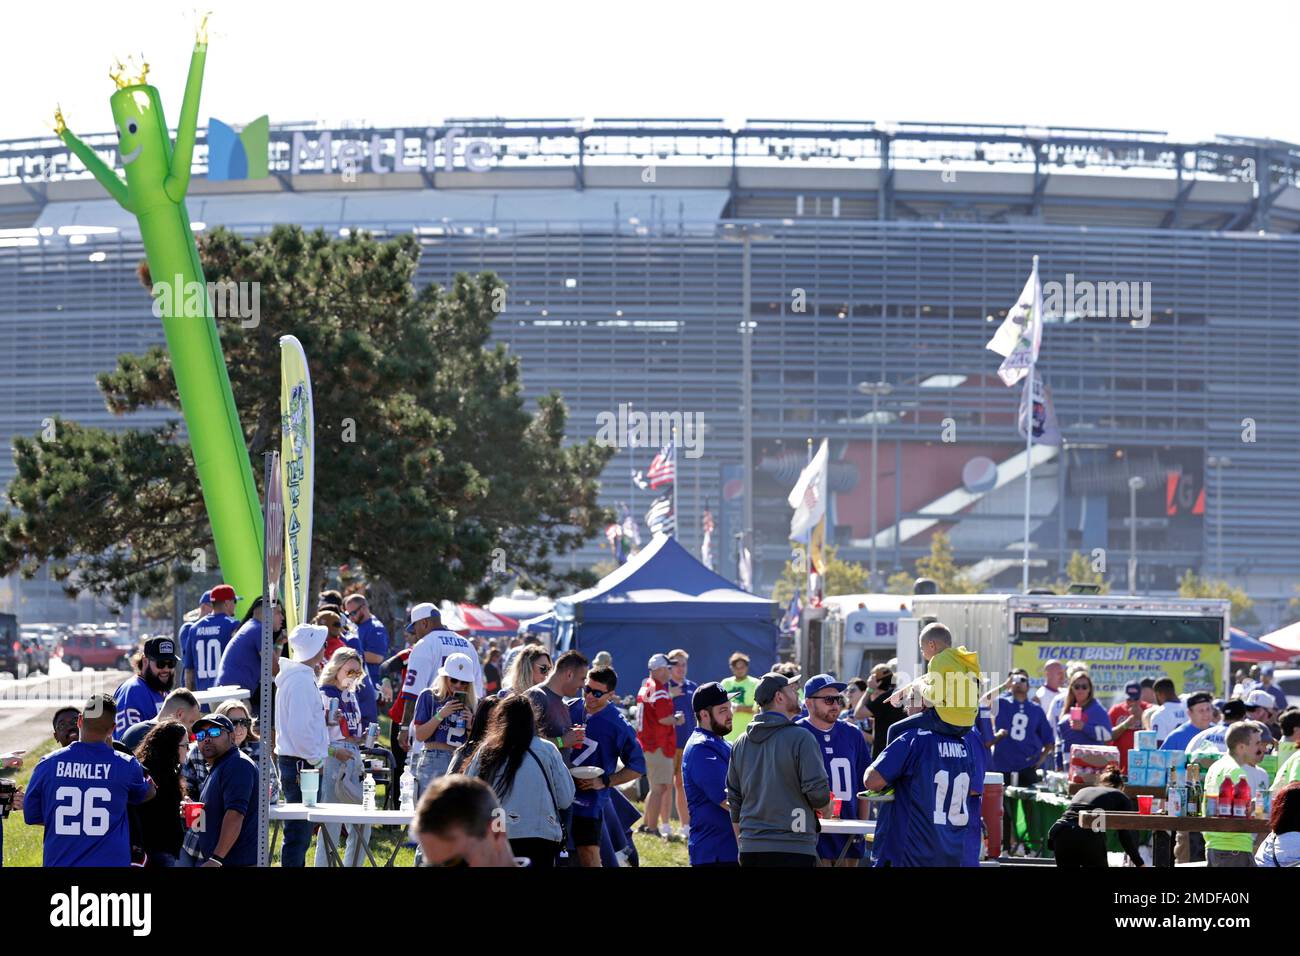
{"x":543,"y":624}
{"x":662,"y":599}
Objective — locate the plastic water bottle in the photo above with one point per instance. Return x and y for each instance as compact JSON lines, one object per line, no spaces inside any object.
{"x":407,"y":787}
{"x":368,"y":792}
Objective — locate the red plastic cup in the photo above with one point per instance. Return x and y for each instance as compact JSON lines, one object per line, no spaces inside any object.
{"x":190,"y":810}
{"x":1144,"y":805}
{"x":835,"y":808}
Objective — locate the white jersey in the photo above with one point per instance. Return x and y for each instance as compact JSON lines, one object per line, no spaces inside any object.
{"x":1166,"y":718}
{"x":427,"y":656}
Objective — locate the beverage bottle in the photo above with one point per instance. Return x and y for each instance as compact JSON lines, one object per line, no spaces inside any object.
{"x":1241,"y":799}
{"x":1174,"y":795}
{"x":368,"y":792}
{"x":407,"y":790}
{"x":1225,"y":798}
{"x":1193,"y":790}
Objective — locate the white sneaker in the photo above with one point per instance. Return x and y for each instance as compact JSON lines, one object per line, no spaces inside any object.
{"x":685,"y":832}
{"x":666,"y":831}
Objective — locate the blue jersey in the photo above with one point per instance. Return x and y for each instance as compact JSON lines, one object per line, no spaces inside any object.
{"x":183,"y":639}
{"x":1180,"y":736}
{"x":1027,"y":734}
{"x":136,"y":701}
{"x":241,"y":661}
{"x":80,"y":795}
{"x":208,"y":640}
{"x":609,"y":739}
{"x":1096,"y":728}
{"x":935,"y":778}
{"x":984,"y":725}
{"x":349,"y":712}
{"x":682,"y":704}
{"x":367,"y":696}
{"x":374,"y":640}
{"x":846,"y":757}
{"x":704,"y":776}
{"x":450,"y":731}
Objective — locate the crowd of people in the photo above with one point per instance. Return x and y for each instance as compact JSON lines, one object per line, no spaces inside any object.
{"x":511,"y":755}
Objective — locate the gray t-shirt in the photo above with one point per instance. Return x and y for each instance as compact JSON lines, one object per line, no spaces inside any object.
{"x":555,"y":713}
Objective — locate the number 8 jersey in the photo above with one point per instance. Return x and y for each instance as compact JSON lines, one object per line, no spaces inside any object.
{"x":80,"y":794}
{"x":934,"y":777}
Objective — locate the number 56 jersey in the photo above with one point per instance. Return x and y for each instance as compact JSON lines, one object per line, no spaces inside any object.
{"x":80,"y":794}
{"x":935,"y":777}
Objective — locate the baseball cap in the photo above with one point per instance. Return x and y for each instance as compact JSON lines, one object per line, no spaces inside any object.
{"x":1266,"y":667}
{"x":420,"y":612}
{"x":1133,"y":690}
{"x":457,"y":667}
{"x":1260,"y":698}
{"x":1234,"y":709}
{"x":1053,"y":663}
{"x":1200,"y":697}
{"x":307,"y":640}
{"x":769,"y":684}
{"x":656,"y":661}
{"x":710,"y":695}
{"x":223,"y":592}
{"x":206,"y":598}
{"x":820,"y":682}
{"x":160,"y":649}
{"x":217,"y":720}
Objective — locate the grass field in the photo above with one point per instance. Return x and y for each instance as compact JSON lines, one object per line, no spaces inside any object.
{"x":22,"y":843}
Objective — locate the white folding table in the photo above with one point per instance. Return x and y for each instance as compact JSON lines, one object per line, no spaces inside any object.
{"x":352,"y":815}
{"x":853,"y":829}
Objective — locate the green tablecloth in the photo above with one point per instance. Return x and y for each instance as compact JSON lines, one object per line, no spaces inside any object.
{"x":1031,"y":813}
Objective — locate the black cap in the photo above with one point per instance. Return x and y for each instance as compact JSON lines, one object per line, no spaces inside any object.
{"x":710,"y":695}
{"x":160,"y":649}
{"x":217,"y":720}
{"x":1200,"y":697}
{"x":769,"y":684}
{"x":97,"y":705}
{"x":1234,"y":709}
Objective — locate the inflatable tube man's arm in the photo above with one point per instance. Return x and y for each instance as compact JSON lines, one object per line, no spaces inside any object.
{"x":110,"y":180}
{"x":178,"y":178}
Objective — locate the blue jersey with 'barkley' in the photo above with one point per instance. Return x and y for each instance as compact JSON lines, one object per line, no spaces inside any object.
{"x":609,"y":738}
{"x":208,"y":639}
{"x":80,"y":794}
{"x":934,"y":777}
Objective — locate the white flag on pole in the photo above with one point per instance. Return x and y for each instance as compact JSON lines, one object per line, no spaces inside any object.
{"x":1021,"y":333}
{"x":808,"y":499}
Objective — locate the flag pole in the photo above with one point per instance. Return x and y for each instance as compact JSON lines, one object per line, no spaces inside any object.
{"x":1029,"y":435}
{"x":676,"y":469}
{"x":808,"y":566}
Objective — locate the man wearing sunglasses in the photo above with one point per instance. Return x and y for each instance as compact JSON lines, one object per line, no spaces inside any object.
{"x":846,"y":757}
{"x":140,"y":697}
{"x":227,"y":832}
{"x":608,"y":741}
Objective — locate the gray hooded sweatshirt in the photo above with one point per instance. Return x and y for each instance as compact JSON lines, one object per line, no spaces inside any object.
{"x":775,"y":781}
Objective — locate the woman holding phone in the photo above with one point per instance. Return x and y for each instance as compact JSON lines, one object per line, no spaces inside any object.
{"x":442,"y":714}
{"x":1083,"y":719}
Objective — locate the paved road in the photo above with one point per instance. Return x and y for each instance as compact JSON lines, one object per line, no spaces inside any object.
{"x":27,"y":706}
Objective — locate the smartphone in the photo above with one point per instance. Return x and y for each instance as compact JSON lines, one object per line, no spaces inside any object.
{"x":461,"y":696}
{"x":1076,"y":713}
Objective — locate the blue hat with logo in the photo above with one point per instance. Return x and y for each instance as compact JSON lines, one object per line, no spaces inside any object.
{"x":206,"y":598}
{"x":821,"y":682}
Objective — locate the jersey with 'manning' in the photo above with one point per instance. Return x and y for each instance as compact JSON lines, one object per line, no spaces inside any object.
{"x":80,"y":795}
{"x":208,"y":639}
{"x":934,"y":777}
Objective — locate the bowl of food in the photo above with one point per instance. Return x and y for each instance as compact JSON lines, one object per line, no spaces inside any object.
{"x":585,"y":773}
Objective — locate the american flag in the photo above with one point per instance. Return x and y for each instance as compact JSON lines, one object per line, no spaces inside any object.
{"x":663,"y":470}
{"x":660,"y":518}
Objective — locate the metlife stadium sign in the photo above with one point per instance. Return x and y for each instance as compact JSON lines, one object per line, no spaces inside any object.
{"x":436,"y":150}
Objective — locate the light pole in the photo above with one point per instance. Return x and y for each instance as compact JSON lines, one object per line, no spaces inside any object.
{"x":1218,"y":463}
{"x":1135,"y":484}
{"x":875,"y":390}
{"x":745,"y":234}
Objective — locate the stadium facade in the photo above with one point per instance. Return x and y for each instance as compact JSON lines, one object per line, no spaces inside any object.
{"x":878,"y":253}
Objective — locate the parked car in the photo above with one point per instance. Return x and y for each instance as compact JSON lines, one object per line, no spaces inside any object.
{"x":80,"y":649}
{"x":38,"y":655}
{"x":13,"y":652}
{"x":1289,"y":680}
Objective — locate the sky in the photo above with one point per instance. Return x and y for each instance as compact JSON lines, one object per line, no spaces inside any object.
{"x":1192,"y":69}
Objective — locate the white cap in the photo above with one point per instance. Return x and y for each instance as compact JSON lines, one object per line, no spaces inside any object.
{"x":457,"y":667}
{"x":658,"y":661}
{"x":1260,"y":698}
{"x":307,"y":640}
{"x":420,"y":612}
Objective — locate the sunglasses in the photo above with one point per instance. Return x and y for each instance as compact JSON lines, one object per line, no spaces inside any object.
{"x":544,"y":668}
{"x":1080,"y":686}
{"x":242,"y":722}
{"x":211,"y":733}
{"x":592,"y":692}
{"x":454,"y":681}
{"x":835,"y":699}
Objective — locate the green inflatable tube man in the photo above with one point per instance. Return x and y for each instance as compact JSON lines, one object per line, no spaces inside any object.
{"x":157,"y":177}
